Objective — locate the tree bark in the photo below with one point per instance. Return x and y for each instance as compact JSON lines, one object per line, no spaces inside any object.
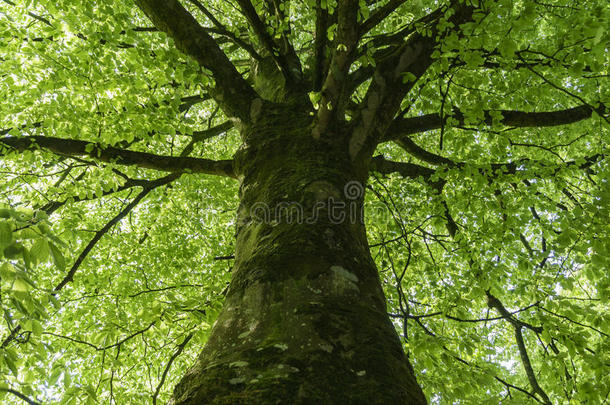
{"x":304,"y":321}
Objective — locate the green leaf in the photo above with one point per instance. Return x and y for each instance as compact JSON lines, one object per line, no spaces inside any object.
{"x":7,"y":271}
{"x":507,"y":47}
{"x":54,"y":377}
{"x":408,"y":77}
{"x":6,"y":233}
{"x":36,"y":328}
{"x":9,"y":360}
{"x":75,"y":81}
{"x":58,"y":257}
{"x":20,"y":285}
{"x":40,"y":249}
{"x":13,"y":250}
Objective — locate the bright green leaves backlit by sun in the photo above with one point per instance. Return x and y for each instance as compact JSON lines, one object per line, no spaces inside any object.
{"x":527,"y":202}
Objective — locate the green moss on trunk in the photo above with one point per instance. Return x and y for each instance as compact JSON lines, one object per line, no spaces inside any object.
{"x":304,"y":320}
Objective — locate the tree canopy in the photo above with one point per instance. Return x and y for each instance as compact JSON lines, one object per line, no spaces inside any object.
{"x":487,"y":206}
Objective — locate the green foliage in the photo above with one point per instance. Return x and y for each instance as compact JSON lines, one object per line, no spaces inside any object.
{"x":536,"y":238}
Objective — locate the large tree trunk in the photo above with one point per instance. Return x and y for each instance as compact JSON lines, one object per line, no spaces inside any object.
{"x":304,"y":320}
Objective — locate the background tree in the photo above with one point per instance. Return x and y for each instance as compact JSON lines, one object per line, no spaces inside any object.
{"x":480,"y":129}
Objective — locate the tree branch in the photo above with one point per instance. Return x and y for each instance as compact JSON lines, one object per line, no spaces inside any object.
{"x":53,"y":206}
{"x":189,"y":101}
{"x":320,"y":46}
{"x":396,"y":38}
{"x":379,"y":15}
{"x":493,"y":302}
{"x":99,"y":234}
{"x":334,"y":96}
{"x":281,"y":9}
{"x":395,"y":75}
{"x":224,"y":31}
{"x":575,"y":322}
{"x":19,"y":395}
{"x":509,"y":386}
{"x":11,"y":336}
{"x":260,"y":29}
{"x":459,"y":359}
{"x":509,"y":167}
{"x":407,"y":170}
{"x":562,"y":89}
{"x":420,"y":153}
{"x":231,"y":91}
{"x":177,"y":353}
{"x":71,"y":148}
{"x":103,"y":348}
{"x":200,"y":136}
{"x":35,"y":16}
{"x":510,"y":118}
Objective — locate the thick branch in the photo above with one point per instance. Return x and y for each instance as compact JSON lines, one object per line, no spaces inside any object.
{"x":407,"y":170}
{"x":224,"y":31}
{"x":260,"y":29}
{"x":231,"y":91}
{"x":281,"y":9}
{"x":396,"y":38}
{"x":334,"y":96}
{"x":188,"y":102}
{"x":379,"y":15}
{"x":320,"y":44}
{"x":527,"y":365}
{"x":415,"y":150}
{"x":71,"y":147}
{"x":413,"y":125}
{"x":11,"y":336}
{"x":199,"y":136}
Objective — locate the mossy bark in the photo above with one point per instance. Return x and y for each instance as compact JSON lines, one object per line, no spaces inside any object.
{"x":304,"y":320}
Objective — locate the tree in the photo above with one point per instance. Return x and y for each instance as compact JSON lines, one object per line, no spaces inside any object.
{"x":474,"y":266}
